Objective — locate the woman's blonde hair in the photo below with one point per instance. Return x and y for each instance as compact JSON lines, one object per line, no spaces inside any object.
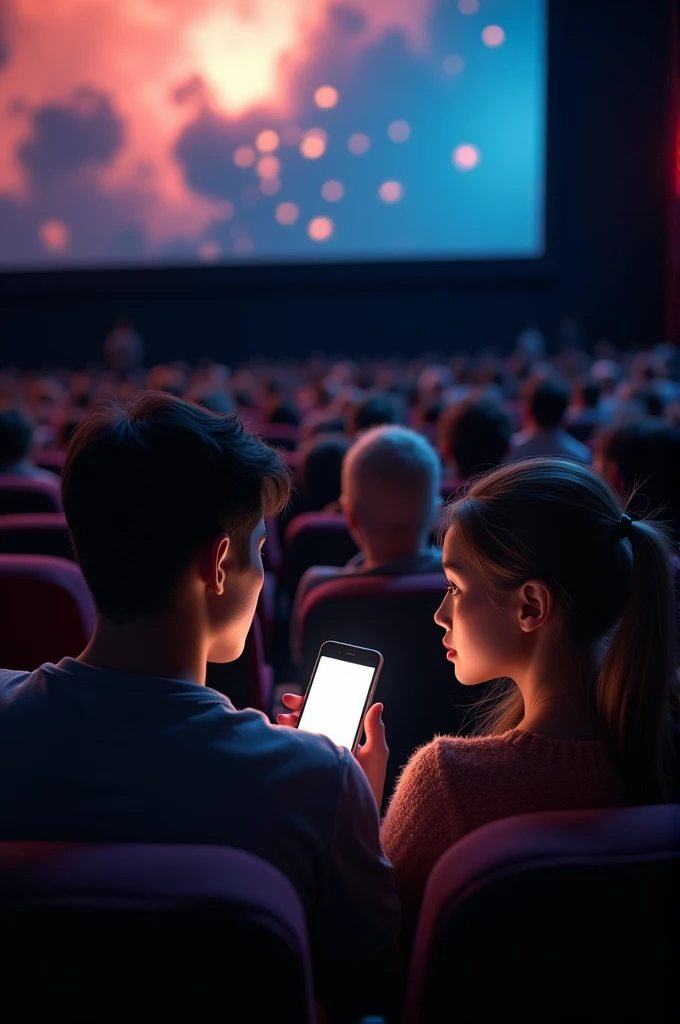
{"x":559,"y":521}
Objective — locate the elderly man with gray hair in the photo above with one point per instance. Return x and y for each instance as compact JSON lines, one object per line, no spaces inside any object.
{"x":390,"y":495}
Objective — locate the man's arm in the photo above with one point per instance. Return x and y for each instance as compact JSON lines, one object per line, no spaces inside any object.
{"x":358,"y":968}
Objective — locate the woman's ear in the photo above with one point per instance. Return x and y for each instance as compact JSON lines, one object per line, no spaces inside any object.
{"x":535,"y":605}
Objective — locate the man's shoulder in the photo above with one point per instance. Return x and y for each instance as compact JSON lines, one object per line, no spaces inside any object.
{"x":576,"y":448}
{"x":12,"y":681}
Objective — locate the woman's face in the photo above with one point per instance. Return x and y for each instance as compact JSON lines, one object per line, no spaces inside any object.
{"x":483,"y":636}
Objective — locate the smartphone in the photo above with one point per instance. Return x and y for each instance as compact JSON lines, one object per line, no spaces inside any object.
{"x":340,"y":692}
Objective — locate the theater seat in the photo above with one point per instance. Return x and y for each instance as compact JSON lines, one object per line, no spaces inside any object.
{"x":393,"y":614}
{"x":314,"y":538}
{"x":52,"y":459}
{"x":35,"y":533}
{"x":46,"y":610}
{"x":23,"y":494}
{"x":279,"y":435}
{"x":139,"y":933}
{"x":564,"y":916}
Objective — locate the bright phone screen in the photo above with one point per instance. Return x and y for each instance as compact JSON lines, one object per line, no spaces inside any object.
{"x":336,"y":700}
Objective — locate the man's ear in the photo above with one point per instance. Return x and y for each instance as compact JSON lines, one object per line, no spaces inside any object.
{"x":212,"y":563}
{"x":348,"y":511}
{"x":535,"y":604}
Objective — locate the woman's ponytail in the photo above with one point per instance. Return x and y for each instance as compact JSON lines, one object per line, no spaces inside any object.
{"x":639,"y":671}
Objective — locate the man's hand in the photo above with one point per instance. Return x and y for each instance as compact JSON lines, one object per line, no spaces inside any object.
{"x":372,"y":755}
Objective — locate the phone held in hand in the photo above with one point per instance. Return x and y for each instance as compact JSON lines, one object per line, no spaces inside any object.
{"x":340,"y":692}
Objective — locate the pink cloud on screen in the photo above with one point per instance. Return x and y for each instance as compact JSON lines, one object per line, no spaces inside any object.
{"x":152,"y":67}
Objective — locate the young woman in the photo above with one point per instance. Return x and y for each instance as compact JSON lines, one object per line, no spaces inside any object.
{"x":569,"y":603}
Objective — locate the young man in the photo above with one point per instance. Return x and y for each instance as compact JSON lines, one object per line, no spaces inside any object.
{"x":166,"y":504}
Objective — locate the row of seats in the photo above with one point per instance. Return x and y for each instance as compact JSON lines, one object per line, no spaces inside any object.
{"x":178,"y":931}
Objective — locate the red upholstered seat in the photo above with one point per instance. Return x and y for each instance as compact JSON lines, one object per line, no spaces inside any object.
{"x":572,"y":914}
{"x":47,"y":612}
{"x":23,"y":494}
{"x":314,"y":538}
{"x":143,"y":932}
{"x":35,"y":533}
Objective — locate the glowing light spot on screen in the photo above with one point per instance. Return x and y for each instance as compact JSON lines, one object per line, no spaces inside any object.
{"x":391,"y":191}
{"x":493,"y":35}
{"x":313,"y":144}
{"x":358,"y":144}
{"x":287,"y":213}
{"x":268,"y":167}
{"x":453,"y":64}
{"x":291,"y":135}
{"x":224,"y":210}
{"x":320,"y":229}
{"x":270,"y":186}
{"x":468,"y":6}
{"x":466,"y":157}
{"x":326,"y":97}
{"x":244,"y":156}
{"x":55,"y":235}
{"x":209,"y":251}
{"x":243,"y":246}
{"x":332,"y":191}
{"x":399,"y":131}
{"x":267,"y":141}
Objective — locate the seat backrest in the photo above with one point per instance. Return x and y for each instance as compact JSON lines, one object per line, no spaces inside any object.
{"x":52,"y":459}
{"x":35,"y":533}
{"x":272,"y":553}
{"x":248,"y":681}
{"x":314,"y":538}
{"x":113,"y":932}
{"x":575,"y":912}
{"x":395,"y":615}
{"x":47,"y":612}
{"x":23,"y":494}
{"x":279,"y":435}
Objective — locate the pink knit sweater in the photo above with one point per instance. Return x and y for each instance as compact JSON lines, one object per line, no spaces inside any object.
{"x":453,"y":785}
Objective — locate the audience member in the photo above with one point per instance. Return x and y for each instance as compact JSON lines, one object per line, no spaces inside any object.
{"x":16,"y":447}
{"x":165,"y":504}
{"x":545,"y":403}
{"x":585,"y":415}
{"x":642,"y":461}
{"x":319,"y":472}
{"x":390,"y":496}
{"x":373,"y":410}
{"x":474,"y":436}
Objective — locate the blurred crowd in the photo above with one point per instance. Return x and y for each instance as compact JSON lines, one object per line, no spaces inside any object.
{"x":619,"y":410}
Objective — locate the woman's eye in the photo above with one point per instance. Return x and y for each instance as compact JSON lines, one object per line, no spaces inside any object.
{"x":452,"y":588}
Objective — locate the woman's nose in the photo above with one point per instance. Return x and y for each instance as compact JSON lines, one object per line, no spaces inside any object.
{"x":441,"y":617}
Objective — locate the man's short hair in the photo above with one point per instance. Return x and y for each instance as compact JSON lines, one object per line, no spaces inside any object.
{"x":372,"y":411}
{"x":392,"y":475}
{"x":16,"y":436}
{"x":547,"y":400}
{"x":476,"y":433}
{"x":146,"y":486}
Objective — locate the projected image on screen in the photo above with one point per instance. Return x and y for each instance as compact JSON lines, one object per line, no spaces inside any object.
{"x":155,"y":132}
{"x":336,"y":700}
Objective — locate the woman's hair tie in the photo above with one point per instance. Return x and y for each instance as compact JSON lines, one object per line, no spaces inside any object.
{"x":624,"y":528}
